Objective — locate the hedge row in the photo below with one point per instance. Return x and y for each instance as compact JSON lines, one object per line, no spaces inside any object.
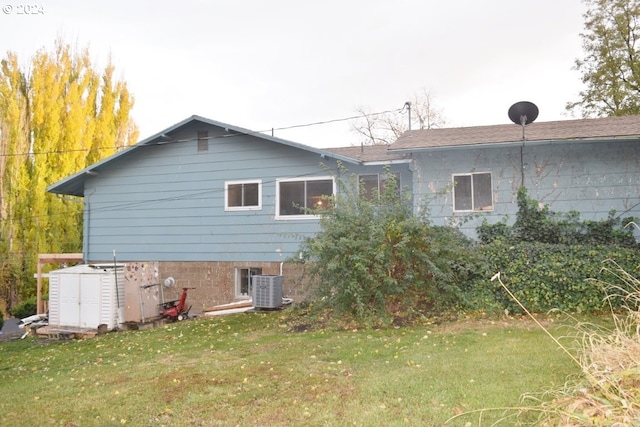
{"x":545,"y":276}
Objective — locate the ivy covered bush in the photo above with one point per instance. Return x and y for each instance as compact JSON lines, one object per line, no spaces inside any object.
{"x":549,"y":276}
{"x":375,"y":261}
{"x":535,"y":224}
{"x":551,"y":260}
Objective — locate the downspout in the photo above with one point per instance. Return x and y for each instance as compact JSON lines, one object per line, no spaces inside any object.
{"x":86,"y":226}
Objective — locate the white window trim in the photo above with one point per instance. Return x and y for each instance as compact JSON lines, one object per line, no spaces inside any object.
{"x":228,"y":208}
{"x":310,"y":178}
{"x":453,"y":201}
{"x":237,"y":284}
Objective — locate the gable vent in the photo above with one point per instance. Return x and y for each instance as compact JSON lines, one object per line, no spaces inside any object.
{"x":203,"y":140}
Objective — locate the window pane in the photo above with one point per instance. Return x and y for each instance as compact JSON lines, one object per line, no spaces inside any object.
{"x":482,"y":194}
{"x":462,"y":193}
{"x":251,"y":195}
{"x":234,"y":195}
{"x":389,"y":179}
{"x":369,"y":186}
{"x":244,"y":281}
{"x":316,"y":190}
{"x":291,"y":198}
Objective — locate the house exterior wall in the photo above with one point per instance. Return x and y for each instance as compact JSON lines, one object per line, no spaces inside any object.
{"x":592,"y":178}
{"x":166,"y":202}
{"x":160,"y":210}
{"x":214,"y":284}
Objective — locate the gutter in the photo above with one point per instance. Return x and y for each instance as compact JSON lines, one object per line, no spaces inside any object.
{"x":512,"y":144}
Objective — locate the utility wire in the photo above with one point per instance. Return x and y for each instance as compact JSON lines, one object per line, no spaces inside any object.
{"x":397,"y":110}
{"x":117,"y":148}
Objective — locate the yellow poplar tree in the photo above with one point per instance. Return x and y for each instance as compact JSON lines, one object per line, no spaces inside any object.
{"x":55,"y":120}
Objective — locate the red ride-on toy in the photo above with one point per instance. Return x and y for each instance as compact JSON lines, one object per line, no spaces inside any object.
{"x":175,"y":310}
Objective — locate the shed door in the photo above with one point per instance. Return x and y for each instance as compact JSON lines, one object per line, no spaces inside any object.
{"x":69,"y":291}
{"x":90,"y":291}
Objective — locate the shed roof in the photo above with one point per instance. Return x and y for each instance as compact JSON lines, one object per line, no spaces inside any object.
{"x":626,"y":127}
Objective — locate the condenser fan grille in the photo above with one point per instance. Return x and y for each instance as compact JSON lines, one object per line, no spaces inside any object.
{"x":267,"y":291}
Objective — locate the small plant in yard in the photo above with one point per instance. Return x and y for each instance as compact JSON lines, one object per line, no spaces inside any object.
{"x":25,"y":309}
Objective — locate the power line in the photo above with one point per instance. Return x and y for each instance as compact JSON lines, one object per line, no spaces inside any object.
{"x":261,"y":132}
{"x":183,"y":196}
{"x":397,"y":110}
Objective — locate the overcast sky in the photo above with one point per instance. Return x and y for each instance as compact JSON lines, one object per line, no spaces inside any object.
{"x":268,"y":64}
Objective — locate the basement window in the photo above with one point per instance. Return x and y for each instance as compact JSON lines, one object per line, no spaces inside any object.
{"x":242,"y":195}
{"x":472,"y":192}
{"x":243,"y":281}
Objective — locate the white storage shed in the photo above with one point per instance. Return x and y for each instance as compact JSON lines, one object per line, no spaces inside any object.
{"x":85,"y":296}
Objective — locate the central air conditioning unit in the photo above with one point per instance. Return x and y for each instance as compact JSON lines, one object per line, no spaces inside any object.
{"x":266,"y":291}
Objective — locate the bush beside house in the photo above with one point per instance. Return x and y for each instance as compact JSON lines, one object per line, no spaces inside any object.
{"x":378,"y":262}
{"x":381,"y":263}
{"x":547,"y":276}
{"x":552,"y":260}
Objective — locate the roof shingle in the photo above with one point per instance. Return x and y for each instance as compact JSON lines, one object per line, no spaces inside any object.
{"x":601,"y":128}
{"x":367,"y":153}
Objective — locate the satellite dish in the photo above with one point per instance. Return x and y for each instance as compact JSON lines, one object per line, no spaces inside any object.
{"x":523,"y":113}
{"x":169,"y":282}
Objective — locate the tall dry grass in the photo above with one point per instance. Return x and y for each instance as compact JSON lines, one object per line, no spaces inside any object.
{"x":607,"y":393}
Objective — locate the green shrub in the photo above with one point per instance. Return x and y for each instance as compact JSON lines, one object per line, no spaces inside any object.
{"x":24,"y":309}
{"x":548,"y":276}
{"x":550,"y":260}
{"x":539,"y":224}
{"x":488,"y":233}
{"x":375,"y":260}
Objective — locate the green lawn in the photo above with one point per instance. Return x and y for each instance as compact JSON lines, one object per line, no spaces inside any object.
{"x":248,"y":369}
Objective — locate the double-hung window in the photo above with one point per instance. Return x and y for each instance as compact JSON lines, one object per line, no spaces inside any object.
{"x":295,"y":198}
{"x":243,"y":195}
{"x":472,"y":192}
{"x":374,"y":185}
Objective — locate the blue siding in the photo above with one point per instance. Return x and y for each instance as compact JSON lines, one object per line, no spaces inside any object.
{"x":166,"y":202}
{"x":592,"y":178}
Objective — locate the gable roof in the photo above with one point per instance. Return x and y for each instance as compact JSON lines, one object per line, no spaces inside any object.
{"x":625,"y":127}
{"x":73,"y":185}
